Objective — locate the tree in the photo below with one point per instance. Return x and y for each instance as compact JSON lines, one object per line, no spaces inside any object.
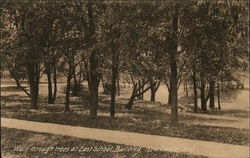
{"x":212,"y":35}
{"x":93,"y":61}
{"x":27,"y":39}
{"x":11,"y":58}
{"x":50,"y":46}
{"x":71,"y":43}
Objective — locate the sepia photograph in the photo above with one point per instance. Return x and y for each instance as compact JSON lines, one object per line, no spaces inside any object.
{"x":124,"y":78}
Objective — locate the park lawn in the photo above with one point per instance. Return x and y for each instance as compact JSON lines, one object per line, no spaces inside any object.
{"x":145,"y":117}
{"x":53,"y":146}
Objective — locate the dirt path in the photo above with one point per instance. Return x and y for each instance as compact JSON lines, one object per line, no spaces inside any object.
{"x":179,"y":145}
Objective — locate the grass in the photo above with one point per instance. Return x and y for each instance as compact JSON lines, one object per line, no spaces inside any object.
{"x":145,"y":117}
{"x":231,"y":112}
{"x":188,"y":101}
{"x":26,"y":144}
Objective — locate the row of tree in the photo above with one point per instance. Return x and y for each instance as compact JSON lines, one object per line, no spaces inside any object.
{"x":148,"y":43}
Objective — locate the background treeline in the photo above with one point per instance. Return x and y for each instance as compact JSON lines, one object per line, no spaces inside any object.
{"x":203,"y":44}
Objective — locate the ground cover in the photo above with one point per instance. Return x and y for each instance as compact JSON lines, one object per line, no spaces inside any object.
{"x":145,"y":117}
{"x":25,"y":144}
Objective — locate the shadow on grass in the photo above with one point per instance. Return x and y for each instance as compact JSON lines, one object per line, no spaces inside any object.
{"x":187,"y":102}
{"x":11,"y":89}
{"x":224,"y":112}
{"x":13,"y":137}
{"x":15,"y":98}
{"x":145,"y":117}
{"x":231,"y":112}
{"x":143,"y":124}
{"x":144,"y":110}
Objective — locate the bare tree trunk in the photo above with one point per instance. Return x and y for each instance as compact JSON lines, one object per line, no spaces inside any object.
{"x":139,"y":84}
{"x":169,"y":97}
{"x":93,"y":85}
{"x":135,"y":93}
{"x":55,"y":85}
{"x":118,"y":85}
{"x":113,"y":90}
{"x":80,"y":75}
{"x":173,"y":68}
{"x":169,"y":93}
{"x":132,"y":98}
{"x":18,"y":84}
{"x":93,"y":62}
{"x":211,"y":94}
{"x":203,"y":97}
{"x":142,"y":89}
{"x":173,"y":91}
{"x":186,"y":85}
{"x":154,"y":88}
{"x":152,"y":98}
{"x":34,"y":76}
{"x":86,"y":66}
{"x":48,"y":73}
{"x":69,"y":76}
{"x":114,"y":80}
{"x":218,"y":93}
{"x":195,"y":91}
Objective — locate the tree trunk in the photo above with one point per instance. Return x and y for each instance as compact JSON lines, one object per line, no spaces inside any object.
{"x":50,"y":97}
{"x":113,"y":91}
{"x":195,"y":91}
{"x":169,"y":97}
{"x":75,"y":87}
{"x":173,"y":90}
{"x":142,"y":89}
{"x":118,"y":85}
{"x":113,"y":83}
{"x":33,"y":75}
{"x":173,"y":68}
{"x":153,"y":87}
{"x":67,"y":98}
{"x":18,"y":84}
{"x":211,"y":94}
{"x":139,"y":84}
{"x":203,"y":97}
{"x":55,"y":85}
{"x":80,"y":75}
{"x":93,"y":65}
{"x":153,"y":92}
{"x":186,"y":89}
{"x":93,"y":85}
{"x":132,"y":98}
{"x":131,"y":102}
{"x":218,"y":93}
{"x":136,"y":92}
{"x":169,"y":94}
